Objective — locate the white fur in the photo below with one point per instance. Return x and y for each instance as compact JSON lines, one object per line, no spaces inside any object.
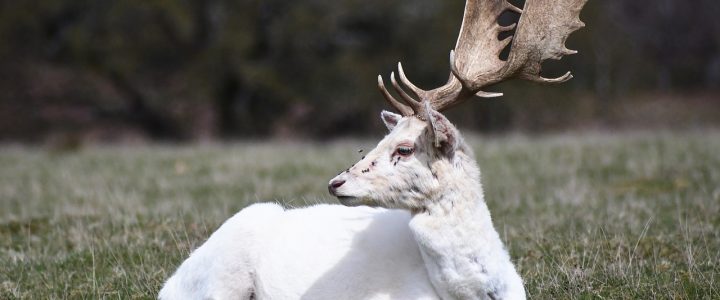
{"x":447,"y":248}
{"x":319,"y":252}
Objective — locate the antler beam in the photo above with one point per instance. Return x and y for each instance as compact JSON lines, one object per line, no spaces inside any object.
{"x":543,"y":27}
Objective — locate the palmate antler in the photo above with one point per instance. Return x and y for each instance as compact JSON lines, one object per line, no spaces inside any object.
{"x":543,"y":27}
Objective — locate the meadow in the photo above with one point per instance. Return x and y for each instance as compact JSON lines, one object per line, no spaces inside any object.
{"x":585,"y":215}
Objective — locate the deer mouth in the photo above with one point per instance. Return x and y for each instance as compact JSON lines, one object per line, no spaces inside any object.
{"x":349,"y":200}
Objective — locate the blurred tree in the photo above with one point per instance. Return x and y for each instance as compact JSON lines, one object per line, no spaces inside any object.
{"x":186,"y":69}
{"x":679,"y":39}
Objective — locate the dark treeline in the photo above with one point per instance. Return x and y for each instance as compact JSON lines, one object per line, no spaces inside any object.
{"x":199,"y":69}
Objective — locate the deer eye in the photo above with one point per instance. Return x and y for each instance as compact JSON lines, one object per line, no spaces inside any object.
{"x":405,"y":150}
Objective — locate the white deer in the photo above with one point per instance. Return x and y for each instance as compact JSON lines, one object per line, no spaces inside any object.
{"x":433,"y":237}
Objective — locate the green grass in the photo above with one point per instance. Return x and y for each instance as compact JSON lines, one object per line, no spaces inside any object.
{"x":635,"y":215}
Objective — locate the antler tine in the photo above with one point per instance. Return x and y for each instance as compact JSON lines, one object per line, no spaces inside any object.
{"x":411,"y":105}
{"x":510,"y":6}
{"x":537,"y":78}
{"x":417,"y":92}
{"x":417,"y":106}
{"x":402,"y":108}
{"x":507,"y":28}
{"x":409,"y":100}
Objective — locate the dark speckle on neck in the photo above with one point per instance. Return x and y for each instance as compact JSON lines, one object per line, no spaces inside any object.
{"x":415,"y":188}
{"x":492,"y":295}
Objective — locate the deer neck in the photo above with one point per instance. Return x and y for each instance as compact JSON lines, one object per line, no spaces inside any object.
{"x":462,"y":252}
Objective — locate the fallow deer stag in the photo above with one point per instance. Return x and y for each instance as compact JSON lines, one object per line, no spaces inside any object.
{"x":433,"y":237}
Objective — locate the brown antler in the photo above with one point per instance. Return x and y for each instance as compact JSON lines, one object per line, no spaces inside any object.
{"x":543,"y":27}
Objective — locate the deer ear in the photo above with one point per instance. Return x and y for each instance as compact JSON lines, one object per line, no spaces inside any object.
{"x":444,"y":134}
{"x":390,"y":119}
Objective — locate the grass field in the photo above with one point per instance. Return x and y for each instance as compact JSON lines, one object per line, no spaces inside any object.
{"x":635,"y":215}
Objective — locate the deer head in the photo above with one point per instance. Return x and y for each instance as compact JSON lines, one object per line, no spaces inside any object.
{"x":404,"y":169}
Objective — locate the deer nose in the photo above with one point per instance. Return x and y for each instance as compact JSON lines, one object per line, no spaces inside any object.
{"x":332,"y":187}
